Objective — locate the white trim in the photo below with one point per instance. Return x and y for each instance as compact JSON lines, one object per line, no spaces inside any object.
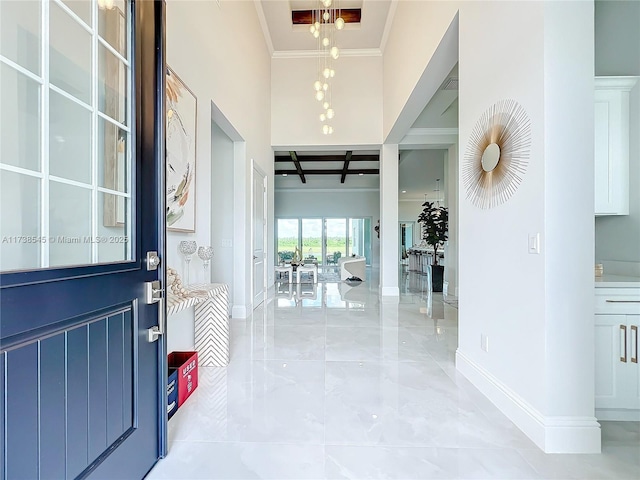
{"x":94,"y":133}
{"x":432,"y":131}
{"x":66,"y":181}
{"x":22,"y":70}
{"x":618,"y":415}
{"x":68,"y":96}
{"x":108,"y":46}
{"x":388,"y":24}
{"x":326,"y":190}
{"x":20,"y":170}
{"x":263,"y":24}
{"x":240,"y":311}
{"x":121,"y":126}
{"x":74,"y":16}
{"x":389,"y":292}
{"x":114,"y":192}
{"x":44,"y":131}
{"x":351,"y":52}
{"x":625,"y":83}
{"x":553,"y":434}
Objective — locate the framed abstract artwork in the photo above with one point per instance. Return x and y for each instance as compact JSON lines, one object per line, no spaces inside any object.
{"x":181,"y":155}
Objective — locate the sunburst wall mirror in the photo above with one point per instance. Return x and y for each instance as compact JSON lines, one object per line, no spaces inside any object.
{"x":497,"y":154}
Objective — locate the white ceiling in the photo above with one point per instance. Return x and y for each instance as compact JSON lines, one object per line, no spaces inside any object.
{"x":418,"y":169}
{"x":285,"y":37}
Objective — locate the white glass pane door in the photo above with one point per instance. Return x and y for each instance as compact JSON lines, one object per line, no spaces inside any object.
{"x":65,"y":133}
{"x":312,"y":240}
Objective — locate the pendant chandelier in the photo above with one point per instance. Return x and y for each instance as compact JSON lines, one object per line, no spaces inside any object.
{"x":325,"y":20}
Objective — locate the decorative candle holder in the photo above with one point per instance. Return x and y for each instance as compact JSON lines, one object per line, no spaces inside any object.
{"x":205,"y":254}
{"x":187,"y":248}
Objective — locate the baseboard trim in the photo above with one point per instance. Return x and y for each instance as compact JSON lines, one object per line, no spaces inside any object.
{"x":553,"y":434}
{"x":390,"y":291}
{"x":239,"y":311}
{"x":618,"y":414}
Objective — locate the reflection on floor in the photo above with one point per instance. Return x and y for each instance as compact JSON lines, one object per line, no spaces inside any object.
{"x":326,"y":382}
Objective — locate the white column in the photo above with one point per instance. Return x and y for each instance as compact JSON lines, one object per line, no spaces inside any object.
{"x":389,"y":221}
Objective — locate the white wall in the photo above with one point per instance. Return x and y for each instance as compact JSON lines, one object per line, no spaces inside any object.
{"x":357,"y":101}
{"x":617,"y":44}
{"x":221,"y":206}
{"x":337,"y":204}
{"x":235,"y":78}
{"x":408,"y":211}
{"x":451,"y":253}
{"x":541,"y":55}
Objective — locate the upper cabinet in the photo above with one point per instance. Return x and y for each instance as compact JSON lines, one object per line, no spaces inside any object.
{"x":612,"y":145}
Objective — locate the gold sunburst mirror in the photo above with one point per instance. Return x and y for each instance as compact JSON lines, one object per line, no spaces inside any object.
{"x":497,"y":154}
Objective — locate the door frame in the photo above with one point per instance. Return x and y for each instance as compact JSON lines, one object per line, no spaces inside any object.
{"x":255,"y":168}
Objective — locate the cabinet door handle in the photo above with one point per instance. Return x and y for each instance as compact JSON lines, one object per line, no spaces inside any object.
{"x":622,"y":301}
{"x":623,"y":339}
{"x":633,"y":338}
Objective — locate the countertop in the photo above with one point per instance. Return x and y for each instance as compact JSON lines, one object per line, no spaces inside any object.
{"x":617,"y":281}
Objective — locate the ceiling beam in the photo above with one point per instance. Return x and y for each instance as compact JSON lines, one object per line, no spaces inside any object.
{"x":328,"y":158}
{"x":345,"y":168}
{"x":303,"y":17}
{"x":364,"y":171}
{"x":299,"y":171}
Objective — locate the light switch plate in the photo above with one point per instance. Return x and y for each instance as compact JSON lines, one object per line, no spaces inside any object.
{"x":534,"y":243}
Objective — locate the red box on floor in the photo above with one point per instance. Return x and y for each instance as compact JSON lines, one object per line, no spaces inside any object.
{"x":187,"y":365}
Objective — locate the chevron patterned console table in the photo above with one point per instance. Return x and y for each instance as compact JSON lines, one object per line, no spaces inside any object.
{"x":211,"y":301}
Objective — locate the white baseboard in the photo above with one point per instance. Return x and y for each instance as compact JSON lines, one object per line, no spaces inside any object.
{"x":389,"y":291}
{"x":445,"y":288}
{"x":619,"y":415}
{"x":239,"y":311}
{"x":551,"y":434}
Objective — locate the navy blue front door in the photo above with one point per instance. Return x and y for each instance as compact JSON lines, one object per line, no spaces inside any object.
{"x":81,"y":385}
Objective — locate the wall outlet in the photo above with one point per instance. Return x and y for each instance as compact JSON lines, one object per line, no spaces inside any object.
{"x":534,"y":243}
{"x":484,"y":342}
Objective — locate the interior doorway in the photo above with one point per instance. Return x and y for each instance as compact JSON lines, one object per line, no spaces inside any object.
{"x":258,"y":214}
{"x":406,"y":241}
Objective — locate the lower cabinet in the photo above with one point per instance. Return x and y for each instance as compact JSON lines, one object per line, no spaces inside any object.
{"x":617,"y":371}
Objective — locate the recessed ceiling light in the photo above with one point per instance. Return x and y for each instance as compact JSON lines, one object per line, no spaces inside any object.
{"x":284,"y":174}
{"x":404,"y":191}
{"x":361,"y":174}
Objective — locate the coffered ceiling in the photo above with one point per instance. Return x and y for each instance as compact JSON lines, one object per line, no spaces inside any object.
{"x":286,"y":38}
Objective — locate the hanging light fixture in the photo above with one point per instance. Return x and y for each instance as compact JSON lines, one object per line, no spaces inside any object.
{"x":325,"y":20}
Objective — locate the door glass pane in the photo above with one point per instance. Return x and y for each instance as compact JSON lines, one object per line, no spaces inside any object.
{"x":112,"y":87}
{"x":20,"y":33}
{"x":287,"y":238}
{"x":19,"y":119}
{"x":336,"y":237}
{"x":112,"y":21}
{"x":69,"y":55}
{"x":69,"y":139}
{"x":312,"y":240}
{"x":69,"y":225}
{"x":112,"y":156}
{"x":112,"y":241}
{"x":82,"y":8}
{"x":19,"y":221}
{"x":65,"y":151}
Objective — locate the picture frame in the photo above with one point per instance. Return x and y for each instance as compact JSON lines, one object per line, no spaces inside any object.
{"x":181,"y":137}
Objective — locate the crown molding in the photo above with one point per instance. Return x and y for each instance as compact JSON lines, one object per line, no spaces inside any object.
{"x":263,"y":24}
{"x":352,"y":52}
{"x":388,"y":24}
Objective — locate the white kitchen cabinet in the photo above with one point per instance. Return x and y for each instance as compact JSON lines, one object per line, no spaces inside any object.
{"x":617,"y":371}
{"x":612,"y":144}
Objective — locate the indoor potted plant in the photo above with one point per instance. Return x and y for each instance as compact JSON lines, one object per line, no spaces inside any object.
{"x":435,"y":225}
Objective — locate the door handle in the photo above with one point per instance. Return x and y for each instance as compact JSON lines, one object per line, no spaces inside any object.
{"x":633,"y":339}
{"x":155,"y":294}
{"x":255,"y":257}
{"x":623,"y":339}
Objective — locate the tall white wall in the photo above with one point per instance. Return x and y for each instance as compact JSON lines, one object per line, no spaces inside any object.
{"x":451,"y":174}
{"x":356,"y":99}
{"x":336,"y":204}
{"x":220,"y":53}
{"x":541,"y":55}
{"x":617,"y":44}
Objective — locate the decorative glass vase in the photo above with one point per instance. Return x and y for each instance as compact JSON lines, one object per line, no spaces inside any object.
{"x":187,"y":248}
{"x":205,"y":254}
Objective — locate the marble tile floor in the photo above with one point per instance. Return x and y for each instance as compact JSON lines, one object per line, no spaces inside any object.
{"x":330,"y":388}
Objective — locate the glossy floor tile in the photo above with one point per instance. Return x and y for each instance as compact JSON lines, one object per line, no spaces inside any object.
{"x":327,"y":382}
